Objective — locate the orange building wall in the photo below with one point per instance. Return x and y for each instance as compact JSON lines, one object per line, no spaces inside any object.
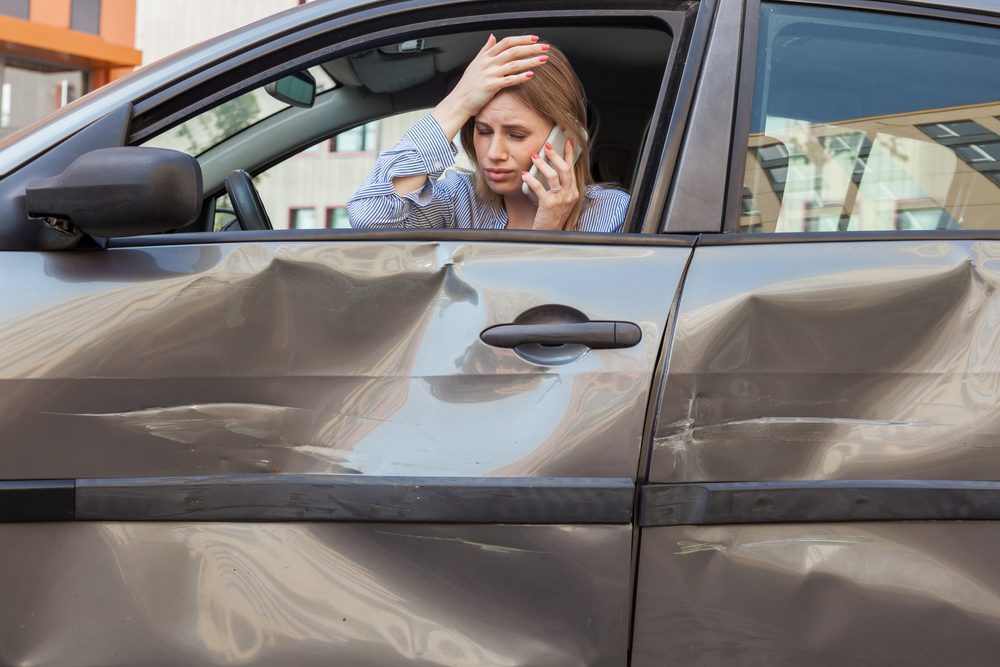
{"x":46,"y":36}
{"x":117,"y":21}
{"x":50,"y":12}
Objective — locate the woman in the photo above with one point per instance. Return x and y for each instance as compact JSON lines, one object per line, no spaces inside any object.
{"x":506,"y":103}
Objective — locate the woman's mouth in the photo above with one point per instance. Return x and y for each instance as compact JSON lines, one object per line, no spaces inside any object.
{"x":496,"y":175}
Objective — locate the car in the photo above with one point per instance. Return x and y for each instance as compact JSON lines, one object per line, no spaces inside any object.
{"x":757,"y":427}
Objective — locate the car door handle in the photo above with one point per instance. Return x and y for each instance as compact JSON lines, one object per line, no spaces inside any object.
{"x":595,"y":335}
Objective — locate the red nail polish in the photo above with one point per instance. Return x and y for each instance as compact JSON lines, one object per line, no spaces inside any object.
{"x":548,"y":145}
{"x":534,"y":38}
{"x":546,"y":47}
{"x":542,"y":59}
{"x":534,"y":156}
{"x":528,"y":75}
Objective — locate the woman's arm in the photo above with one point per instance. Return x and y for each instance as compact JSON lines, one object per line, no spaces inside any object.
{"x":604,"y":210}
{"x":424,"y":152}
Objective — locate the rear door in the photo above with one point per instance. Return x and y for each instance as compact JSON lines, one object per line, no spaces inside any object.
{"x":823,"y":478}
{"x":286,"y":448}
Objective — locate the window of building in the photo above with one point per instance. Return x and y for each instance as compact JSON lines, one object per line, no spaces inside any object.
{"x":17,"y":8}
{"x":336,"y":218}
{"x":356,"y":140}
{"x":872,"y":121}
{"x":85,"y":16}
{"x":302,"y":218}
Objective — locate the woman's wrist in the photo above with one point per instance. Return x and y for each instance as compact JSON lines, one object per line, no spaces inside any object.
{"x":451,"y":116}
{"x":547,"y":222}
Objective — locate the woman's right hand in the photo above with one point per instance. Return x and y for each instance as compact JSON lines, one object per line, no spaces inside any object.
{"x":498,"y":65}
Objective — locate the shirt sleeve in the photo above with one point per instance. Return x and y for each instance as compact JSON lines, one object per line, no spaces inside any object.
{"x":423,"y":150}
{"x":606,"y":211}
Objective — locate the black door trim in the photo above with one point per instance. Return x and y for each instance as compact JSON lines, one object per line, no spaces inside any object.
{"x":818,"y":501}
{"x":37,"y":500}
{"x":321,"y":497}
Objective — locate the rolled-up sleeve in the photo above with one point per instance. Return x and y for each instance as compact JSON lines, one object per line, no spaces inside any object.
{"x":424,"y":149}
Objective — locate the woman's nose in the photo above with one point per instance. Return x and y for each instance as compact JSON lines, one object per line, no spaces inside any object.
{"x":498,"y":149}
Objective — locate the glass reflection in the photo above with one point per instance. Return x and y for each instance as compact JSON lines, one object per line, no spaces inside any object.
{"x":865,"y":121}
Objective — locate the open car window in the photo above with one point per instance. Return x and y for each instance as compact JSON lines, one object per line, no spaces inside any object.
{"x":310,"y":189}
{"x":306,"y":162}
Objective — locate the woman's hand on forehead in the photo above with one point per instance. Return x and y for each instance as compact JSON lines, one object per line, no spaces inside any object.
{"x":498,"y":65}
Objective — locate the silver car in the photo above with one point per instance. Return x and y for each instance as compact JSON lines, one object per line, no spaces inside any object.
{"x":759,"y":427}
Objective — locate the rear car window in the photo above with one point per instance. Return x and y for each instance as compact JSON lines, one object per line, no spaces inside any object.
{"x":870,"y":121}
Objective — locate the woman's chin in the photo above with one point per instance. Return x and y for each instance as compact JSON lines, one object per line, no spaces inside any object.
{"x":505,"y":188}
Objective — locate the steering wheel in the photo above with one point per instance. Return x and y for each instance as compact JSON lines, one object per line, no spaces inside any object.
{"x":249,"y":208}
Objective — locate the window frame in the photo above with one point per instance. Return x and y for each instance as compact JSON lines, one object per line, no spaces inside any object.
{"x":741,"y":133}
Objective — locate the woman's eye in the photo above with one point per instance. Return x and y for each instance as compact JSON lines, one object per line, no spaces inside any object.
{"x":484,"y":133}
{"x":517,"y":136}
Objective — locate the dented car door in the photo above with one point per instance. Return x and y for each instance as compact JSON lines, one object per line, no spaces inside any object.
{"x":822,"y":481}
{"x":303,"y":452}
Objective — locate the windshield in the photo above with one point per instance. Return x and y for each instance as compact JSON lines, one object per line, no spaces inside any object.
{"x":207,"y":130}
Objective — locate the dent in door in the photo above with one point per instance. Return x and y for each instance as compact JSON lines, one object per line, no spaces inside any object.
{"x":835,"y":361}
{"x":349,"y":357}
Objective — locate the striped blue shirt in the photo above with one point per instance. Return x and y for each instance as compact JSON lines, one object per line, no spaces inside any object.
{"x":449,"y":201}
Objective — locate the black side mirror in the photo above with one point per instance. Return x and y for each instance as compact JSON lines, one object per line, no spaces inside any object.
{"x":125,"y":191}
{"x":298,"y":89}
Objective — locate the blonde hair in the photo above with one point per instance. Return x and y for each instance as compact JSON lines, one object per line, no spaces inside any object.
{"x":556,"y":94}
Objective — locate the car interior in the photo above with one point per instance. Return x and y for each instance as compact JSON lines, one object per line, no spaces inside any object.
{"x":621,"y":68}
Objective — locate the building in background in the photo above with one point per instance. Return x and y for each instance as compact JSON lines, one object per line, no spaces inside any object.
{"x":166,"y":26}
{"x":53,"y":51}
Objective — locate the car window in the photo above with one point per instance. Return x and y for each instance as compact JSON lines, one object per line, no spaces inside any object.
{"x":866,"y":121}
{"x":306,"y":162}
{"x":310,"y":189}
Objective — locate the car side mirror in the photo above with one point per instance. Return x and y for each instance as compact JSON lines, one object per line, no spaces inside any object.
{"x":298,"y":89}
{"x":123,"y":191}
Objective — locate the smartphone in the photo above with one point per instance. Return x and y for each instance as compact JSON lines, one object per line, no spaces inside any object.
{"x":557,"y":139}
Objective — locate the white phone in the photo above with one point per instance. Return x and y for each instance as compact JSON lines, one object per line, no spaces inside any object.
{"x":557,"y":139}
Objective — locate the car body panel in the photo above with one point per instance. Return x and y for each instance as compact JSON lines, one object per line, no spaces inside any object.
{"x":821,"y":361}
{"x":353,"y":357}
{"x":358,"y":358}
{"x":843,"y":368}
{"x":819,"y":594}
{"x":92,"y":593}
